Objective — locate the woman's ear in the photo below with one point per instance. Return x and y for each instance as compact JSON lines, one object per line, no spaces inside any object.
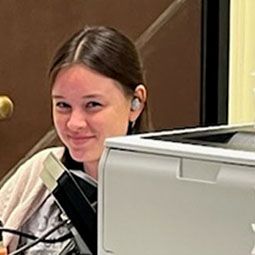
{"x":138,"y":102}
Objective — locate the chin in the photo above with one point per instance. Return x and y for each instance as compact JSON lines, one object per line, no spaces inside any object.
{"x":77,"y":155}
{"x":83,"y":157}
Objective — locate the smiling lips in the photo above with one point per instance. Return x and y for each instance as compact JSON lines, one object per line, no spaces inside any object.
{"x":80,"y":140}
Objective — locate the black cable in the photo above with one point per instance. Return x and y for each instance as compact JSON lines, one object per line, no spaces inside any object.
{"x":1,"y":235}
{"x":38,"y":240}
{"x":22,"y":234}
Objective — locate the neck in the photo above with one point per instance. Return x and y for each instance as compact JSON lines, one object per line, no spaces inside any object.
{"x":91,"y":169}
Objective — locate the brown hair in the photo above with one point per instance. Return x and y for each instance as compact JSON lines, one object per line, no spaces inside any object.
{"x":110,"y":53}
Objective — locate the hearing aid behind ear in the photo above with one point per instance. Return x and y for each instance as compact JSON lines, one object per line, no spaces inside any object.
{"x":135,"y":105}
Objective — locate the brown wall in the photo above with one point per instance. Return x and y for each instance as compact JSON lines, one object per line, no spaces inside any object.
{"x":168,"y":35}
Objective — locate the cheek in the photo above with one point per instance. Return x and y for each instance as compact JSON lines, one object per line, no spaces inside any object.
{"x":55,"y":118}
{"x":117,"y":123}
{"x":59,"y":121}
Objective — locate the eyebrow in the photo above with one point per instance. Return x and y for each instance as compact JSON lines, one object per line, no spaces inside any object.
{"x":56,"y":96}
{"x":87,"y":96}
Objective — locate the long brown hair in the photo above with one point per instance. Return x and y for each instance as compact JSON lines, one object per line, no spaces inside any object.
{"x":110,"y":53}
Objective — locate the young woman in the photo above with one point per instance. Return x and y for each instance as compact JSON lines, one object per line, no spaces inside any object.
{"x":98,"y":91}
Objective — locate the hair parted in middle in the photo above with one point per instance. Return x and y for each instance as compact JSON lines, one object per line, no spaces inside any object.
{"x":109,"y":53}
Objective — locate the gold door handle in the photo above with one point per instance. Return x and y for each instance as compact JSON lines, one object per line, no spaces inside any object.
{"x":6,"y":107}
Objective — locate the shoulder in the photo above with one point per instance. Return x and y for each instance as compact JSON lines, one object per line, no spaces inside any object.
{"x":25,"y":182}
{"x":32,"y":167}
{"x":38,"y":158}
{"x":35,"y":163}
{"x":41,"y":155}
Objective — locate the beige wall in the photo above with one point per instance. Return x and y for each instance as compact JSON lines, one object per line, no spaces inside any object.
{"x":242,"y":62}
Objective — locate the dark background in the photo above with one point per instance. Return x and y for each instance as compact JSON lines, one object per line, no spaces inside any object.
{"x":169,"y":34}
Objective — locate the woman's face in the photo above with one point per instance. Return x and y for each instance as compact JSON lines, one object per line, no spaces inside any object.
{"x":87,"y":108}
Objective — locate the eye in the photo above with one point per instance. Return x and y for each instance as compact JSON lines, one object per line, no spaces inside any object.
{"x":62,"y":106}
{"x":93,"y":105}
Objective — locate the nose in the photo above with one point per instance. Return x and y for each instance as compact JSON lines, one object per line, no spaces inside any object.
{"x":77,"y":120}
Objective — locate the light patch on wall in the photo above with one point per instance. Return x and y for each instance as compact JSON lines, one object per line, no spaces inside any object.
{"x":242,"y":62}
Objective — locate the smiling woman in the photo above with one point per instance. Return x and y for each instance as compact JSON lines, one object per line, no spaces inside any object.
{"x":98,"y":91}
{"x":87,"y":108}
{"x":97,"y":74}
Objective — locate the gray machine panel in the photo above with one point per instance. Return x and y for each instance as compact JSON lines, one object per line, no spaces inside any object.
{"x":168,"y":203}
